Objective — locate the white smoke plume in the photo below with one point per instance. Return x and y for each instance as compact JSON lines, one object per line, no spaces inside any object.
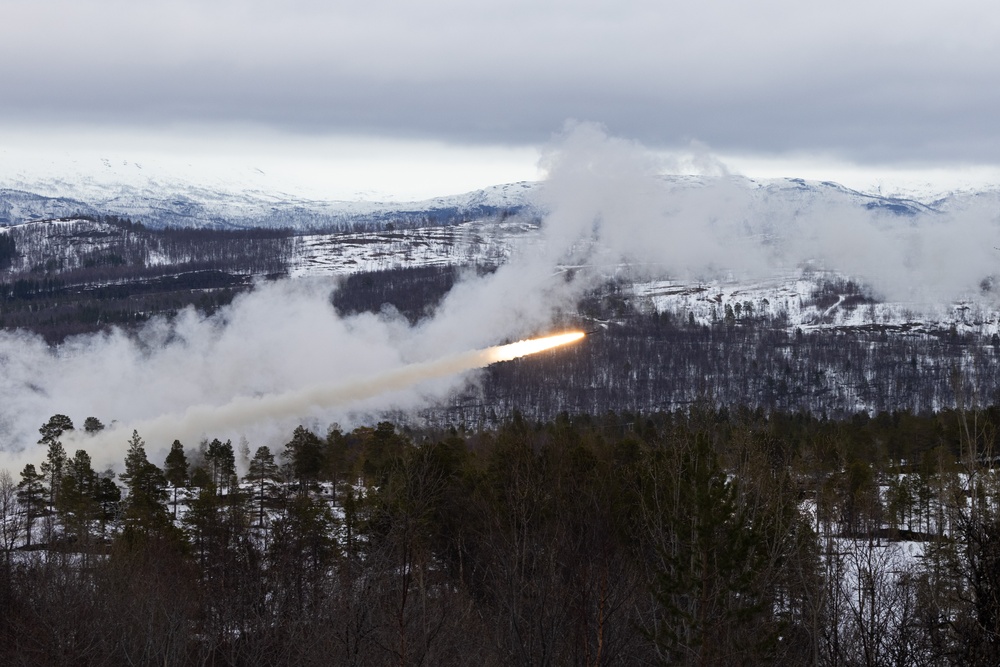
{"x":607,"y":203}
{"x":246,"y":412}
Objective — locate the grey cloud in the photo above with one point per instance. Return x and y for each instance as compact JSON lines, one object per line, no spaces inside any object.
{"x":873,"y":83}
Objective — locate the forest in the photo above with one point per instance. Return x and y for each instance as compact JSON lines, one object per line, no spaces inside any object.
{"x":104,"y":271}
{"x":704,"y":536}
{"x":645,"y":361}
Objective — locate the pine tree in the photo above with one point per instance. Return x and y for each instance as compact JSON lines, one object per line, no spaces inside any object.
{"x":55,"y":458}
{"x":202,"y":524}
{"x":92,"y":425}
{"x":176,"y":469}
{"x":31,"y":496}
{"x":54,"y":428}
{"x":304,"y":454}
{"x":109,"y":497}
{"x":221,"y":462}
{"x":710,"y":555}
{"x":303,"y":548}
{"x":77,"y":504}
{"x":218,"y":529}
{"x":135,"y":460}
{"x":262,"y":470}
{"x":145,"y":506}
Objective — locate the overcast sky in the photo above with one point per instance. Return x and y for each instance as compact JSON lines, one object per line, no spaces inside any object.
{"x":875,"y":85}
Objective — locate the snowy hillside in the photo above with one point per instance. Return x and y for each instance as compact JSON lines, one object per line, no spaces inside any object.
{"x":198,"y":190}
{"x":803,"y":298}
{"x":193,"y":195}
{"x":811,"y":300}
{"x":476,"y":242}
{"x":160,"y":196}
{"x":200,"y":207}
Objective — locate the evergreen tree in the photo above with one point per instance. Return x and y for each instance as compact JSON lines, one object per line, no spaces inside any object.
{"x":221,"y":462}
{"x":135,"y":461}
{"x":92,"y":425}
{"x":55,"y":457}
{"x":145,"y":506}
{"x":77,"y":504}
{"x":54,"y":428}
{"x":218,"y":529}
{"x":303,"y":549}
{"x":263,"y":472}
{"x":31,"y":496}
{"x":202,"y":523}
{"x":80,"y":471}
{"x":176,"y":469}
{"x":108,"y":496}
{"x":710,"y":558}
{"x":304,"y":454}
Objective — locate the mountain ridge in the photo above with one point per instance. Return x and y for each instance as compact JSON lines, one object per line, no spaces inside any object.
{"x":176,"y":203}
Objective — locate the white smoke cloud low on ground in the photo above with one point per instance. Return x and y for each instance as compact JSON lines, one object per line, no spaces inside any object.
{"x":608,"y":202}
{"x":722,"y":224}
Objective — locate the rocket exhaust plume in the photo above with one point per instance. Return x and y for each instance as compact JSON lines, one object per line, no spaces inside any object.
{"x":201,"y":420}
{"x":523,"y":348}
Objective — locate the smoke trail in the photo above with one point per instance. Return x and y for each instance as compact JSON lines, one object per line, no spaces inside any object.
{"x":243,"y":412}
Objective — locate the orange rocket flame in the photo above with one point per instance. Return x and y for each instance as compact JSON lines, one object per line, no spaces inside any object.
{"x":523,"y":348}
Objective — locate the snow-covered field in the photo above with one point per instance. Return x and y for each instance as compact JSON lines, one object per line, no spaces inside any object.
{"x":792,"y":298}
{"x":481,"y":241}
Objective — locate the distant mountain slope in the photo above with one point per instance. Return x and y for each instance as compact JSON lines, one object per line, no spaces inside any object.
{"x":179,"y":205}
{"x":160,"y":202}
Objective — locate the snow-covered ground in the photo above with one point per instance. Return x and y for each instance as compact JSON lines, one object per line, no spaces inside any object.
{"x":792,"y":298}
{"x":480,"y":241}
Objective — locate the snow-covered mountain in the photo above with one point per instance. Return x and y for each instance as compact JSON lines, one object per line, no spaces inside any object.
{"x":199,"y":192}
{"x":184,"y":196}
{"x":192,"y":206}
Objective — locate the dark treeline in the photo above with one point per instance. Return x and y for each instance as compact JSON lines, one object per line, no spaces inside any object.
{"x":358,"y":223}
{"x":642,"y":361}
{"x":413,"y":292}
{"x":646,"y":361}
{"x":697,"y":537}
{"x":82,"y":275}
{"x":55,"y":309}
{"x":8,"y":250}
{"x":652,"y":362}
{"x":662,"y":361}
{"x":117,"y":245}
